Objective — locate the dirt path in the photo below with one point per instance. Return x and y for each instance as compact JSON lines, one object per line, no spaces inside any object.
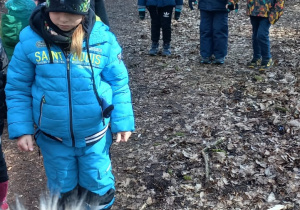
{"x":181,"y":106}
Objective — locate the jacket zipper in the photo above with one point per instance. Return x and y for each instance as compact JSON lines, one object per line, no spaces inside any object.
{"x":41,"y":109}
{"x":70,"y":101}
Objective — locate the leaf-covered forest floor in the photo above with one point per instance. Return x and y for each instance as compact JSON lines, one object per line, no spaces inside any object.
{"x":181,"y":107}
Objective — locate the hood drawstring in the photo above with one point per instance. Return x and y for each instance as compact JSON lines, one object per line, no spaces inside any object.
{"x":106,"y":108}
{"x":49,"y":51}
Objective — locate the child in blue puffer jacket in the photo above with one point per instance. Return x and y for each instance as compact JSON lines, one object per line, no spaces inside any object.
{"x":67,"y":79}
{"x":214,"y":29}
{"x":161,"y":15}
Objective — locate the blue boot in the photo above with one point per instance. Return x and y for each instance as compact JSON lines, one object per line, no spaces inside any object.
{"x":166,"y":50}
{"x":219,"y":61}
{"x":154,"y":49}
{"x":206,"y":60}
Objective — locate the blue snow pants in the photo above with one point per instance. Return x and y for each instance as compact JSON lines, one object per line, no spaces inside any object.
{"x":87,"y":167}
{"x":213,"y":34}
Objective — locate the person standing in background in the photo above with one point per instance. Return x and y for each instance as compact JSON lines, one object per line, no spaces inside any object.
{"x":161,"y":15}
{"x":3,"y":168}
{"x":263,"y":14}
{"x":214,"y":29}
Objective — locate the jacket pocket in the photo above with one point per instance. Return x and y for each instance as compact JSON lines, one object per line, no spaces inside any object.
{"x":101,"y":177}
{"x":105,"y":177}
{"x":41,"y":110}
{"x":106,"y":172}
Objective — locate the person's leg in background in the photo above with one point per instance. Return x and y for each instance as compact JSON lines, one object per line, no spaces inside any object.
{"x":3,"y":167}
{"x":256,"y":58}
{"x":220,"y":36}
{"x":3,"y":180}
{"x":206,"y":36}
{"x":264,"y":43}
{"x":165,"y":14}
{"x":155,"y":29}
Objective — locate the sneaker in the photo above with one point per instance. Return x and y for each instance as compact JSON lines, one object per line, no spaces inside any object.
{"x":205,"y":60}
{"x":219,"y":61}
{"x":166,"y":50}
{"x":4,"y":206}
{"x":154,"y":49}
{"x":266,"y":65}
{"x":254,"y":63}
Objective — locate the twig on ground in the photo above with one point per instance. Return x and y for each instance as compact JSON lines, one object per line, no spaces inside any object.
{"x":206,"y":158}
{"x":144,"y":206}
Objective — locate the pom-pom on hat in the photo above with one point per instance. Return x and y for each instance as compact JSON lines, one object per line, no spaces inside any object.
{"x":80,"y":7}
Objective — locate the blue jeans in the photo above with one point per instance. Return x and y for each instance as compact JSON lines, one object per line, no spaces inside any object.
{"x":213,"y":34}
{"x":260,"y":38}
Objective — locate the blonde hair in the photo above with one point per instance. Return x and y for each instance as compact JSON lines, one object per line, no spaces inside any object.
{"x":77,"y":39}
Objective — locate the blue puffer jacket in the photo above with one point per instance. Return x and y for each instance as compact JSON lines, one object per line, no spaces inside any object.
{"x":58,"y":97}
{"x":160,"y":3}
{"x":213,"y":5}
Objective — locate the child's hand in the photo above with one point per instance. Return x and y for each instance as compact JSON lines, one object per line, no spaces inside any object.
{"x":191,"y":3}
{"x":123,"y":136}
{"x":25,"y":143}
{"x":231,"y":7}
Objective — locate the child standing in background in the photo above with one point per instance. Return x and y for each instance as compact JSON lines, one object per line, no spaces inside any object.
{"x":67,"y":78}
{"x":161,"y":15}
{"x":263,"y":13}
{"x":214,"y":29}
{"x":3,"y":168}
{"x":14,"y":21}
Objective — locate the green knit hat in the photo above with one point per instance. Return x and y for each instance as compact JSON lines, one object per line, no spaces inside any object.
{"x":80,"y":7}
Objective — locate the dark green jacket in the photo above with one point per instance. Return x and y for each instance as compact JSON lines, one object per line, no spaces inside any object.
{"x":11,"y":28}
{"x":17,"y":18}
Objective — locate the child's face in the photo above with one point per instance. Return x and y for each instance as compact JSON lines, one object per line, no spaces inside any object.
{"x":65,"y":21}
